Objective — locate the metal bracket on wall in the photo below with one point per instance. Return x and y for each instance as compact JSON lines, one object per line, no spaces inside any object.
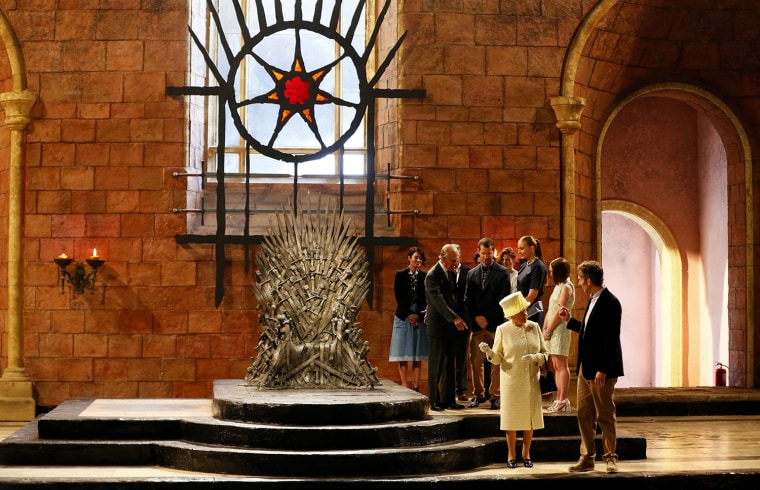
{"x":185,"y":174}
{"x":388,"y":176}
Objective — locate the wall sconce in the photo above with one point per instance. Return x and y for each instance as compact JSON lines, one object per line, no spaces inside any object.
{"x":79,"y":279}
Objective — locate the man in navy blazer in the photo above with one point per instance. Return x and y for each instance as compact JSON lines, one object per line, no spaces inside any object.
{"x":443,"y":322}
{"x":600,"y":363}
{"x":487,"y":284}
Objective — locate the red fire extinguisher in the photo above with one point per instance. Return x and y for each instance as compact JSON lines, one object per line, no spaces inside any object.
{"x":720,"y":374}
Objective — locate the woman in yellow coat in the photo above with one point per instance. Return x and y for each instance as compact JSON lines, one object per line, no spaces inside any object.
{"x":519,"y":350}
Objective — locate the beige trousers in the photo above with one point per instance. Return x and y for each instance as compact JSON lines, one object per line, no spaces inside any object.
{"x":477,"y":358}
{"x":596,"y":405}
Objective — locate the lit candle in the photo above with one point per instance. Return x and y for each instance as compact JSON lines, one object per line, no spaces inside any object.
{"x":94,"y":253}
{"x":62,"y":256}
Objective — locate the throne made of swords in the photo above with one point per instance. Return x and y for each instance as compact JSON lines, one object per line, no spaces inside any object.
{"x":311,"y":281}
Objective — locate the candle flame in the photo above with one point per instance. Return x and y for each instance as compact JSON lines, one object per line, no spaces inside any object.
{"x":94,"y":252}
{"x":63,"y":256}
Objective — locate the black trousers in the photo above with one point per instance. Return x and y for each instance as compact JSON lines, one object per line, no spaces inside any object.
{"x":441,"y":369}
{"x":461,"y":360}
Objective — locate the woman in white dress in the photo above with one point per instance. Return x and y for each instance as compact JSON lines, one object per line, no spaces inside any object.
{"x":556,"y":334}
{"x":519,"y":350}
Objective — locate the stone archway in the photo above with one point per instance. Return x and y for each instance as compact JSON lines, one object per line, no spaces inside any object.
{"x":671,"y":290}
{"x":731,"y":135}
{"x":16,"y":395}
{"x":581,"y":200}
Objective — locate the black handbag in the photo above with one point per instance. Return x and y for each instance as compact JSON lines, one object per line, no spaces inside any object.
{"x":548,"y":385}
{"x":535,"y":308}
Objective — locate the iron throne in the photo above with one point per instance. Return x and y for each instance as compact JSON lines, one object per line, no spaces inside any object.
{"x":311,"y":281}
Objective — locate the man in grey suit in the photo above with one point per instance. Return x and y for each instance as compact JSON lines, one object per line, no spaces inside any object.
{"x":600,"y":363}
{"x":442,"y":323}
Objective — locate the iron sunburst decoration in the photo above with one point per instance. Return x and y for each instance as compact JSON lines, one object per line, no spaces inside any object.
{"x":297,"y":89}
{"x":298,"y":92}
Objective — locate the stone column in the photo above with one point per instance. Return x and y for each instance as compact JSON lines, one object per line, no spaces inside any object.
{"x":568,"y":113}
{"x":16,"y":395}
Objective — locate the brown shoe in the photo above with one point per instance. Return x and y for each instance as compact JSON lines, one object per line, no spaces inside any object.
{"x":583,"y":464}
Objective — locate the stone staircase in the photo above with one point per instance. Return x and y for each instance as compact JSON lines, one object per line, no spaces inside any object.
{"x":387,"y":431}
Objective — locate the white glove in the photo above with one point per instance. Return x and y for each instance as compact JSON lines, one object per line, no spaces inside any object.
{"x":484,"y":347}
{"x":531,"y":357}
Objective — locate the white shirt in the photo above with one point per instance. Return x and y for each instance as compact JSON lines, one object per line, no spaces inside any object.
{"x":591,"y":304}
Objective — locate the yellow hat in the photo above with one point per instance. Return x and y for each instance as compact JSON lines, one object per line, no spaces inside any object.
{"x":513,"y":304}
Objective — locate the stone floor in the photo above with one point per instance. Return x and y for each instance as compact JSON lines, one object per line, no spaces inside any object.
{"x":695,"y":450}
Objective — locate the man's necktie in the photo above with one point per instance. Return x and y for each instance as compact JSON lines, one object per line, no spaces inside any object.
{"x":484,"y":277}
{"x":453,"y":279}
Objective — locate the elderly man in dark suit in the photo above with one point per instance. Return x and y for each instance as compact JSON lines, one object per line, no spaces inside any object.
{"x":443,"y":322}
{"x":462,"y":358}
{"x":487,"y":284}
{"x":600,"y":363}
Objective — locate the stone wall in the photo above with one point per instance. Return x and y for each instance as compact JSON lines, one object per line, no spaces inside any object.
{"x":105,"y":139}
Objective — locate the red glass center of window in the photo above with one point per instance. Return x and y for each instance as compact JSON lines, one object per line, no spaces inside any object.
{"x":297,"y":90}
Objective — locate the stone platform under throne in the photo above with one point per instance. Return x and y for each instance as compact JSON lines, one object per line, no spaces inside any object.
{"x":385,"y":431}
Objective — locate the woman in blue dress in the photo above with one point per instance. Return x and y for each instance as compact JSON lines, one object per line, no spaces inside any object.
{"x":409,"y":338}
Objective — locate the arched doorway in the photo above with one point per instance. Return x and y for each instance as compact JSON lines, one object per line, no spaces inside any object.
{"x":663,"y":166}
{"x":617,"y":49}
{"x":636,"y":244}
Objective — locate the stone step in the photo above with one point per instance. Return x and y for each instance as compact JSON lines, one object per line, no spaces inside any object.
{"x":385,"y":403}
{"x":471,"y":451}
{"x":327,"y":437}
{"x":25,"y":448}
{"x":385,"y":431}
{"x":65,"y":423}
{"x":691,"y":401}
{"x":418,"y":460}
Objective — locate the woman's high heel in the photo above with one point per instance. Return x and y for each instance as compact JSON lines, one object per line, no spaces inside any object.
{"x":559,"y":406}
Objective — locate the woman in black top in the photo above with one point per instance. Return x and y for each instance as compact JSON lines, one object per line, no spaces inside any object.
{"x":532,"y":277}
{"x":409,"y":337}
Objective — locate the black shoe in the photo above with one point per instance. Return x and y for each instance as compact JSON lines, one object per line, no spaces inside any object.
{"x":435,"y":407}
{"x":456,"y":406}
{"x":476,"y":401}
{"x":528,"y":463}
{"x":512,"y":463}
{"x":495,"y":405}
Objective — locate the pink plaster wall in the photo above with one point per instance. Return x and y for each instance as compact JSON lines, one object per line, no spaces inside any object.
{"x":713,"y":215}
{"x":650,"y":157}
{"x":628,"y":256}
